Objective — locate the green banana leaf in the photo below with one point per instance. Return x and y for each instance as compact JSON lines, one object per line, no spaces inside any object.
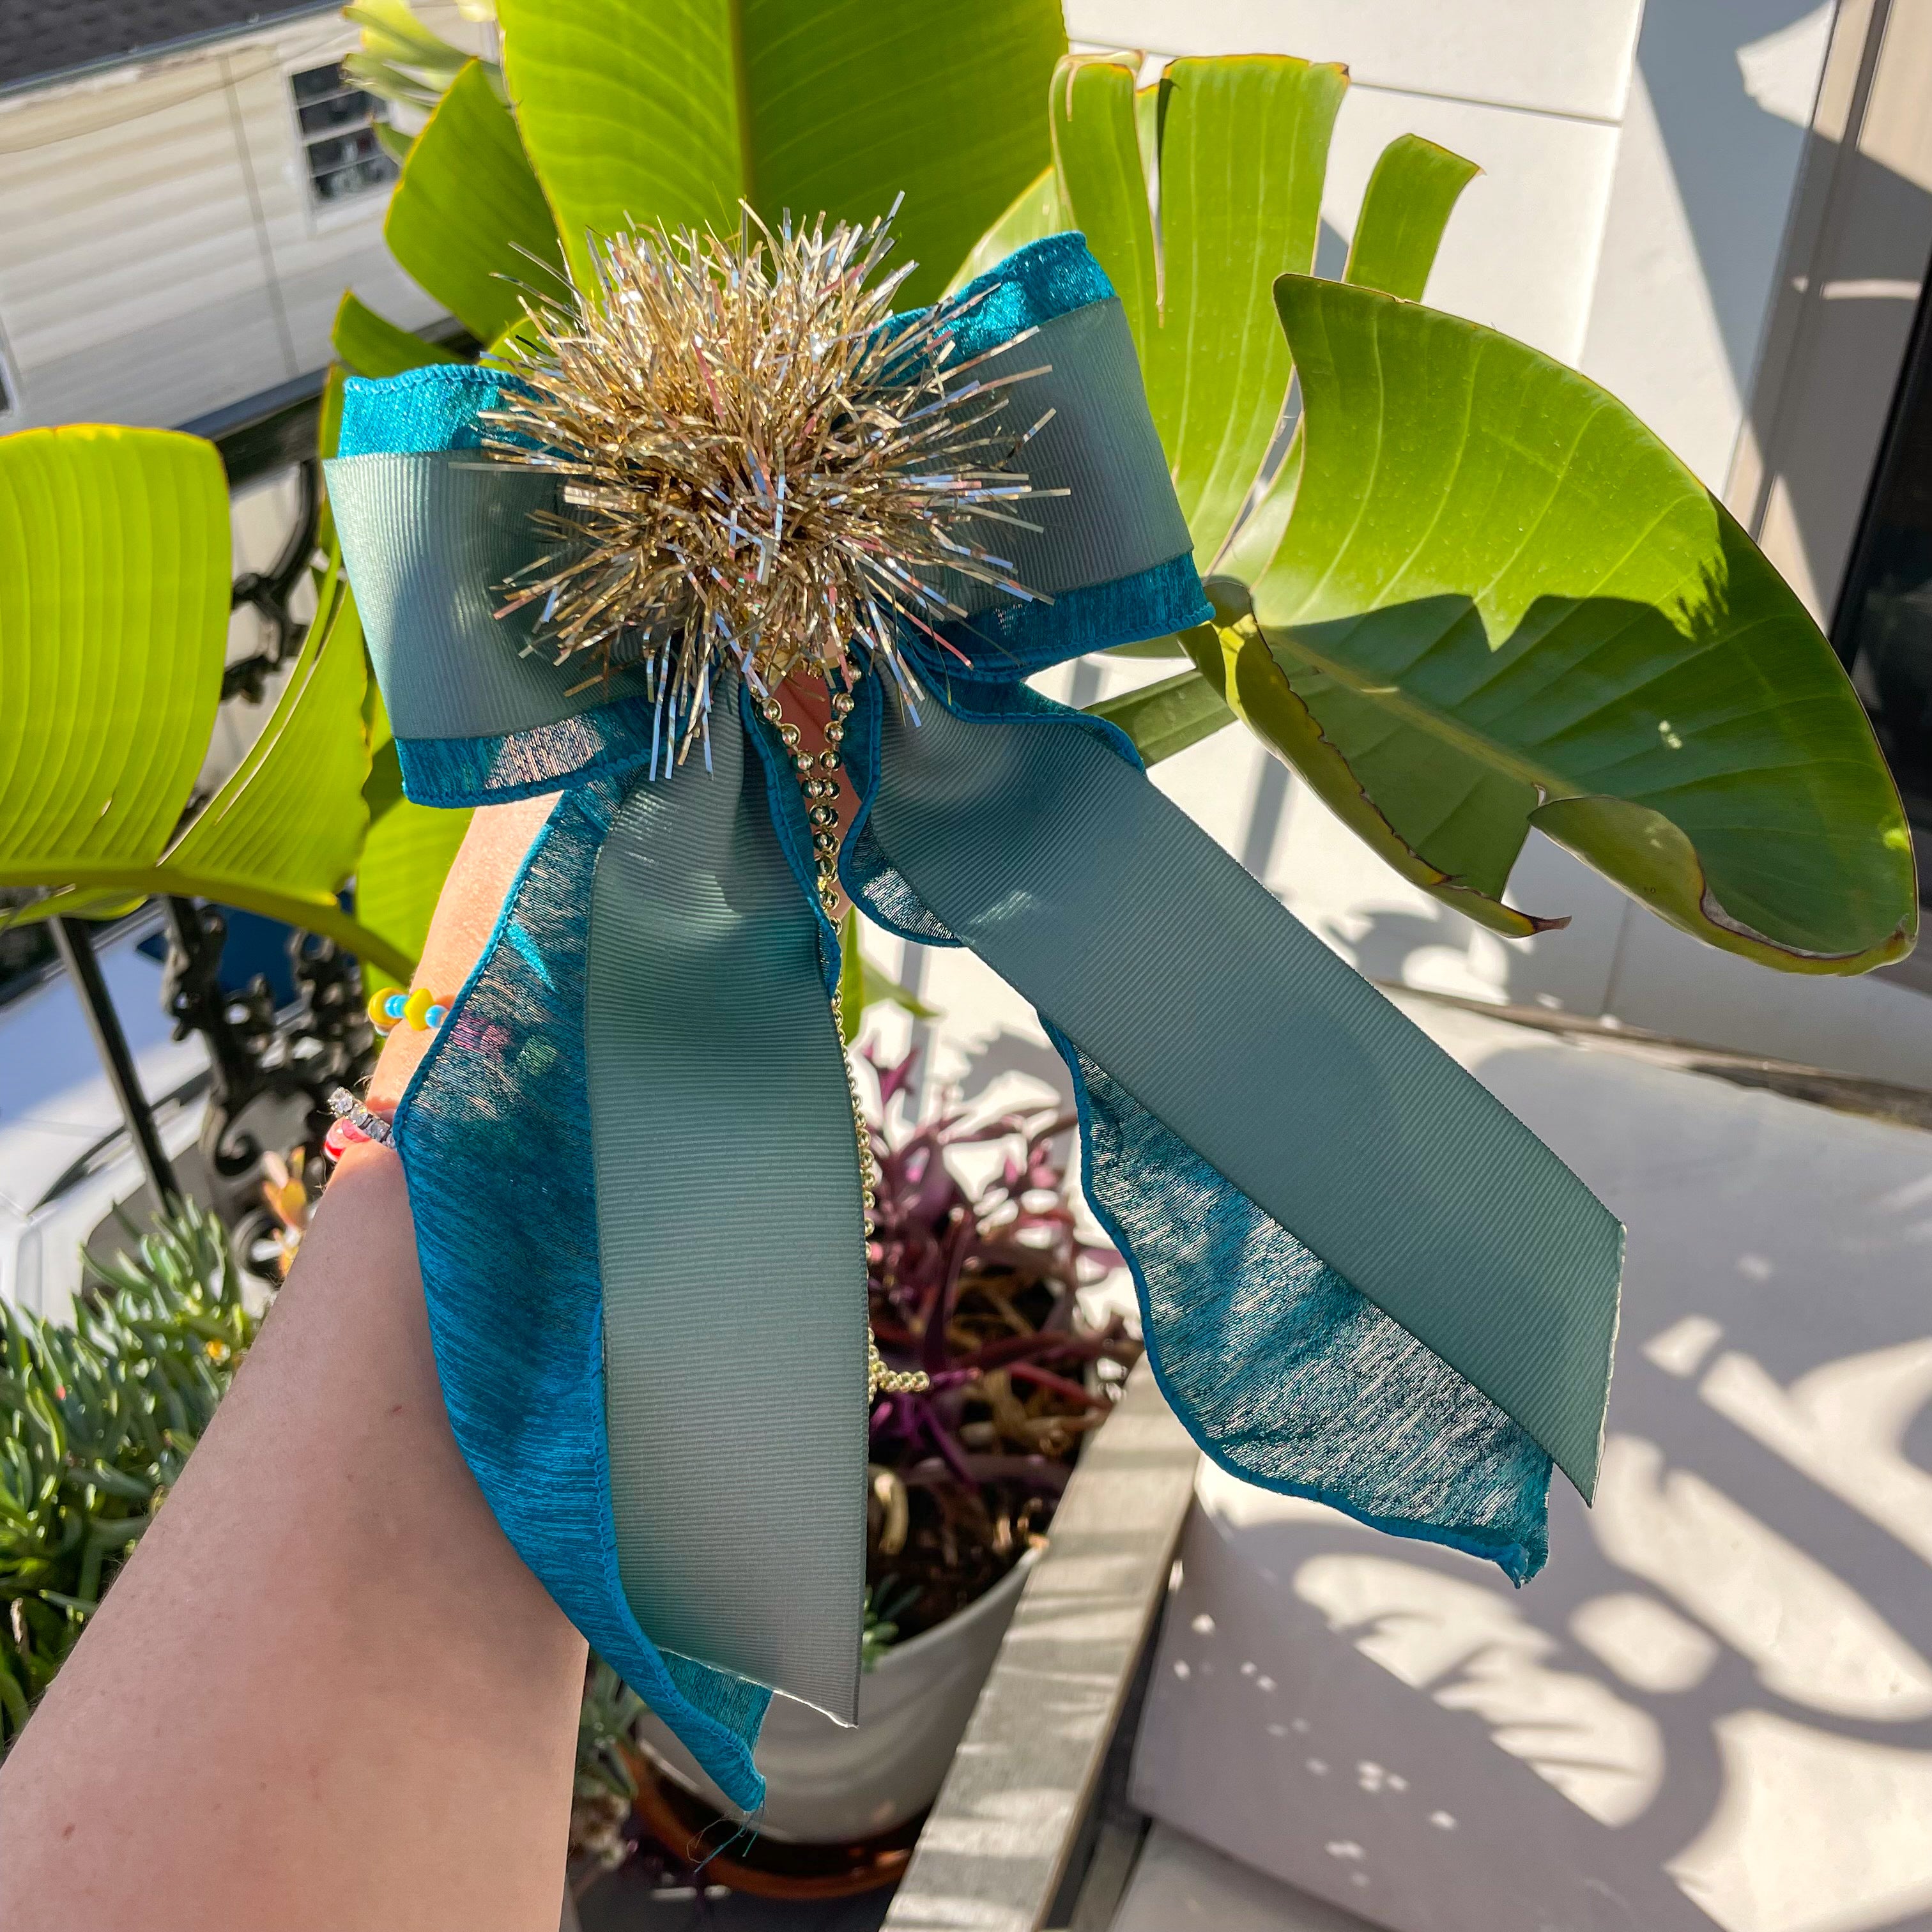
{"x":1504,"y":603}
{"x":370,"y":345}
{"x":114,"y":582}
{"x":1235,"y":149}
{"x":1470,"y":593}
{"x":407,"y":855}
{"x":1165,"y":718}
{"x":1243,"y":147}
{"x":399,"y":58}
{"x":674,"y":111}
{"x":467,"y":219}
{"x":1411,"y":195}
{"x":287,"y":819}
{"x":114,"y":593}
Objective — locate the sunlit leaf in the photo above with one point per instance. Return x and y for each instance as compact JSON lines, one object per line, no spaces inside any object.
{"x":862,"y":984}
{"x":114,"y":593}
{"x":371,"y":345}
{"x":1037,"y":211}
{"x":673,"y":112}
{"x":1504,"y":603}
{"x":291,"y":817}
{"x":467,"y":218}
{"x":1407,"y":205}
{"x":114,"y":582}
{"x":1238,"y":665}
{"x":407,"y":855}
{"x":1165,"y":718}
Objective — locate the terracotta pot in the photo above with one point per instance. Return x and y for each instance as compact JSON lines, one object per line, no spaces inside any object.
{"x":826,"y":1784}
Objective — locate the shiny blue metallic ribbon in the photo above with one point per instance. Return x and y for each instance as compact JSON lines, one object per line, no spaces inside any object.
{"x":630,"y":1150}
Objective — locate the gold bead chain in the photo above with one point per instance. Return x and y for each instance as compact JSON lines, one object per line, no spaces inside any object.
{"x":818,"y":781}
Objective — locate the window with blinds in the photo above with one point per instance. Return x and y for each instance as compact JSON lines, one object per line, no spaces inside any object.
{"x":338,"y":125}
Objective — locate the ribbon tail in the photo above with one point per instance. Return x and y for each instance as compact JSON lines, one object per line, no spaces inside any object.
{"x":632,"y":1170}
{"x":1303,"y":1138}
{"x":731,"y":1234}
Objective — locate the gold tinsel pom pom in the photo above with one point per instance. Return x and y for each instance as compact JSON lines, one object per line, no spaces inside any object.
{"x":759,"y":466}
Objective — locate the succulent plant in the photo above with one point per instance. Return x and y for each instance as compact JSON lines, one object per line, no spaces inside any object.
{"x":980,"y":1290}
{"x":96,"y":1419}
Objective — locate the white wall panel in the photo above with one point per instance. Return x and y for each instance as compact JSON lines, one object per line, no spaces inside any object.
{"x":1708,"y":165}
{"x":159,"y":254}
{"x":1714,"y":1707}
{"x":1571,"y":58}
{"x":319,"y":252}
{"x":1520,"y":251}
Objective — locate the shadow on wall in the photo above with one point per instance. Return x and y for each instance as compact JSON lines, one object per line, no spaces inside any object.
{"x":1010,"y":1052}
{"x":1732,"y":87}
{"x":1716,"y":1706}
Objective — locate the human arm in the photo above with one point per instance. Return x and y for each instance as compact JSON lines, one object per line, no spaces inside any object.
{"x":325,"y":1692}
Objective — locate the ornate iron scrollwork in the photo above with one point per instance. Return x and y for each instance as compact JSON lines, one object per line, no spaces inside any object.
{"x":255,"y":1054}
{"x":267,"y":593}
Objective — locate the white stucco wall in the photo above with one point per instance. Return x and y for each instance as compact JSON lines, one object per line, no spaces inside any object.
{"x":1714,"y":1707}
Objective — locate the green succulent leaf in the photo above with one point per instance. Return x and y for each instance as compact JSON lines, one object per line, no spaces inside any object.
{"x":673,"y":112}
{"x":1503,"y":602}
{"x":94,"y":1420}
{"x":468,"y":219}
{"x":371,"y":345}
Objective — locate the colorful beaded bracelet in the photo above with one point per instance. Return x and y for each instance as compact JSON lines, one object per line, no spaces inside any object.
{"x":354,"y":1122}
{"x":420,"y":1010}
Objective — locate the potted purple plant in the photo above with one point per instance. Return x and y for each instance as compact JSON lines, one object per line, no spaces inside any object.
{"x":979,"y":1287}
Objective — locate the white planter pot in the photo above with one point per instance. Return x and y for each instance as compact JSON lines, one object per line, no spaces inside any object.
{"x":825,"y":1783}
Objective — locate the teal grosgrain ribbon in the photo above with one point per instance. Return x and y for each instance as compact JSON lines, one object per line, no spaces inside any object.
{"x":1194,"y":1012}
{"x":1249,"y":1039}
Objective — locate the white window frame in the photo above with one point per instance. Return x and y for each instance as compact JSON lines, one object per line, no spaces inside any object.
{"x":325,"y":211}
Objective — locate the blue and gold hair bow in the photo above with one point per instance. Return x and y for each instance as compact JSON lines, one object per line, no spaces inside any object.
{"x":630,"y":1149}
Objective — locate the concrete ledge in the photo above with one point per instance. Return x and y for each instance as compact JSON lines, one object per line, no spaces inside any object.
{"x":1004,"y":1829}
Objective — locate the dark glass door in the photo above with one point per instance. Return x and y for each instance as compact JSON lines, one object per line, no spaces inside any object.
{"x":1884,"y":626}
